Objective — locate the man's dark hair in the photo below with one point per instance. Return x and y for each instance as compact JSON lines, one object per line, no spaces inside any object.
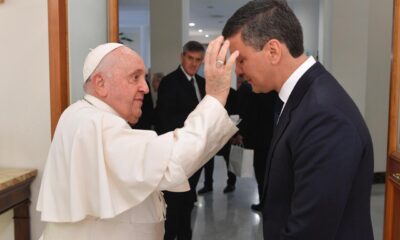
{"x":262,"y":20}
{"x":193,"y":46}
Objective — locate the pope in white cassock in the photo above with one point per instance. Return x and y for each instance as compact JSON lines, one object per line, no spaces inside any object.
{"x":102,"y":180}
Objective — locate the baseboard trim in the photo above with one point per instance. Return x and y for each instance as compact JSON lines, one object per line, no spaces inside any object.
{"x":379,"y":177}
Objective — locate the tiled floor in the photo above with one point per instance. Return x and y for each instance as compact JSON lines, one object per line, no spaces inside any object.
{"x":220,"y":216}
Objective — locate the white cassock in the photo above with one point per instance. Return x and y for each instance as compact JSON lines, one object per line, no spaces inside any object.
{"x":102,"y":180}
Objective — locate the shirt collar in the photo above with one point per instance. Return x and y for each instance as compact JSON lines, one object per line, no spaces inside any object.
{"x":99,"y":104}
{"x":291,"y":82}
{"x":187,"y":75}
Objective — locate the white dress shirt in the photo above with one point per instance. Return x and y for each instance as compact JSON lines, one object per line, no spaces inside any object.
{"x":291,"y":82}
{"x":196,"y":86}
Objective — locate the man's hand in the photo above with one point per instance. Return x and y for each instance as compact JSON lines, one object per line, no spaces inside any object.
{"x":218,"y":74}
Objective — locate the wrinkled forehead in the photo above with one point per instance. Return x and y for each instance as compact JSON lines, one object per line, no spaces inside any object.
{"x":130,"y":59}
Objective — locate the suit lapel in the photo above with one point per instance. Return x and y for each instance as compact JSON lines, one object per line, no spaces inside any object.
{"x":187,"y":86}
{"x":201,"y":85}
{"x":294,"y":100}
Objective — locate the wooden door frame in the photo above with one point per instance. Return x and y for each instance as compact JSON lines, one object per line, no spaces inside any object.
{"x":113,"y":20}
{"x":393,"y":154}
{"x":395,"y":81}
{"x":58,"y":52}
{"x":58,"y":59}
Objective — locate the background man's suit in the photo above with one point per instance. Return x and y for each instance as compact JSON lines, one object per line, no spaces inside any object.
{"x":176,"y":100}
{"x":231,"y":107}
{"x":146,"y":121}
{"x":320,"y":165}
{"x":257,"y":113}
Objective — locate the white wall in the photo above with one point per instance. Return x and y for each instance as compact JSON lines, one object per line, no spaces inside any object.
{"x":87,"y":28}
{"x":24,"y":95}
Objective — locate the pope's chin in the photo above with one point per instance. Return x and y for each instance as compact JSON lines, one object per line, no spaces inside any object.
{"x":133,"y":119}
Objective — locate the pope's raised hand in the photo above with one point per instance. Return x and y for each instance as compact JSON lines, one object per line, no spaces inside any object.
{"x":218,"y":71}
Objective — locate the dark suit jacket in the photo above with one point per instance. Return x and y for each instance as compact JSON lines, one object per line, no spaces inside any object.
{"x":176,"y":100}
{"x":247,"y":109}
{"x":231,"y":107}
{"x":147,"y":119}
{"x":320,"y":166}
{"x":257,"y":113}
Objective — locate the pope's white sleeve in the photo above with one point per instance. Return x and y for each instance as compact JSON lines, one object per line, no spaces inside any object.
{"x":206,"y":130}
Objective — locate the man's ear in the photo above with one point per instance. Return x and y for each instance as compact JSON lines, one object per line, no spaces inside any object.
{"x":273,"y":49}
{"x":99,"y":85}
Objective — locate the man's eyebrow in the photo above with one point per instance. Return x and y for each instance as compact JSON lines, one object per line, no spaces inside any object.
{"x":138,"y":71}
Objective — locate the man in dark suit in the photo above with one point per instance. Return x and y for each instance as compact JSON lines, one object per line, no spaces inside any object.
{"x":178,"y":95}
{"x":257,"y":113}
{"x":146,"y":121}
{"x":320,"y":164}
{"x":232,"y":109}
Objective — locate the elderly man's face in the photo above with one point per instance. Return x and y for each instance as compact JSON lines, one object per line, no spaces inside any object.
{"x":191,"y":62}
{"x":126,"y":85}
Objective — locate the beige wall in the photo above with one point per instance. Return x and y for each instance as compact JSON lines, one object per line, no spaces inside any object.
{"x":168,"y":33}
{"x":378,"y":76}
{"x":24,"y":95}
{"x":349,"y":47}
{"x":356,"y":50}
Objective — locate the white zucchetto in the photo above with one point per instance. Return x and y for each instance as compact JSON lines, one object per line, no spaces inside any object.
{"x":95,"y":56}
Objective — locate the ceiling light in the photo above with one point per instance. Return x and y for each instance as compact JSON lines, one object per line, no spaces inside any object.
{"x":207,"y":35}
{"x":200,"y":30}
{"x":192,"y":24}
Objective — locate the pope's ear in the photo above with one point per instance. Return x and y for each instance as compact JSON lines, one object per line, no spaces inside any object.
{"x":273,"y":49}
{"x":99,"y":84}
